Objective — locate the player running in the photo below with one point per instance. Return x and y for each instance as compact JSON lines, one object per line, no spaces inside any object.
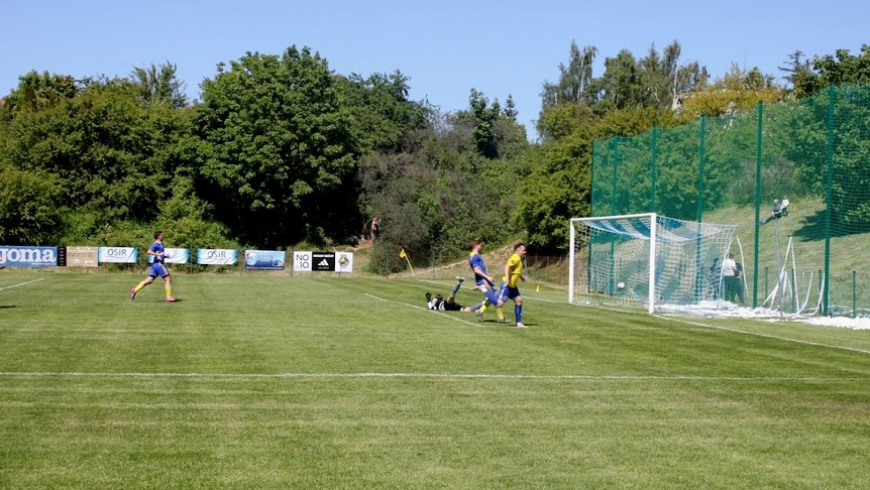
{"x":158,"y":268}
{"x":483,"y":282}
{"x":513,"y":274}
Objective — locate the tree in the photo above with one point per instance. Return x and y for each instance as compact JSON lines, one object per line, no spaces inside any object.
{"x":574,"y":79}
{"x":159,"y":85}
{"x":110,"y":154}
{"x":29,"y":207}
{"x":278,"y":154}
{"x":37,"y":91}
{"x":380,"y":110}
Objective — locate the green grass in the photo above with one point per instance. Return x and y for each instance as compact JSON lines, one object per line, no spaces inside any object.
{"x":268,"y":382}
{"x":805,"y":224}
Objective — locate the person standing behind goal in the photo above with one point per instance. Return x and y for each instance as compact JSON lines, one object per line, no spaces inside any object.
{"x":729,"y":277}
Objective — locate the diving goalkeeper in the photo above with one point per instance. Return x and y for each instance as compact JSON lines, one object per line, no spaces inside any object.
{"x":450,"y":304}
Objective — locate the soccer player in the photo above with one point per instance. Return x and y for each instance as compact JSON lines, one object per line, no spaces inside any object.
{"x":483,"y":282}
{"x":513,"y":274}
{"x":450,"y":304}
{"x":158,"y":268}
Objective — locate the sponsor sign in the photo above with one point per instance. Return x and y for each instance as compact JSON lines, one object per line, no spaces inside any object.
{"x":343,"y":262}
{"x":28,"y":256}
{"x":302,"y":261}
{"x":81,"y":257}
{"x":118,"y":255}
{"x":323,"y":261}
{"x":173,"y":256}
{"x":264,"y":259}
{"x":216,"y":256}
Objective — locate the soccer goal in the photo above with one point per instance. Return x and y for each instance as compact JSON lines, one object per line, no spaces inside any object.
{"x":647,"y":260}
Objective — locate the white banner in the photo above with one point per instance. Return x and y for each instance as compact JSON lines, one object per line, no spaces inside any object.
{"x":173,"y":256}
{"x":216,"y":256}
{"x":81,"y":257}
{"x":302,"y":261}
{"x":122,"y":255}
{"x":343,"y":262}
{"x":305,"y":261}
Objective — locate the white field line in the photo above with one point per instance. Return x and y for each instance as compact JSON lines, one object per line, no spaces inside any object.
{"x":416,"y":307}
{"x":767,"y":336}
{"x":22,"y":284}
{"x":734,"y":330}
{"x":556,"y":377}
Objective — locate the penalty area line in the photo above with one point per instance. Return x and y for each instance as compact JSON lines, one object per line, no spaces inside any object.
{"x":22,"y":284}
{"x":409,"y":305}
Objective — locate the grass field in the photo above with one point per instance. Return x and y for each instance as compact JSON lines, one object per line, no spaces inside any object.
{"x":275,"y":382}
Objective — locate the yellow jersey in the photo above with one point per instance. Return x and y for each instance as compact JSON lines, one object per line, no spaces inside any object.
{"x":516,"y":270}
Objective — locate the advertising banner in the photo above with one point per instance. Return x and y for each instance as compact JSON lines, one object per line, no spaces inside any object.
{"x":81,"y":257}
{"x":343,"y":262}
{"x":302,"y":261}
{"x":216,"y":256}
{"x":323,"y":261}
{"x":118,"y":255}
{"x":28,"y":256}
{"x":173,"y":256}
{"x":264,"y":259}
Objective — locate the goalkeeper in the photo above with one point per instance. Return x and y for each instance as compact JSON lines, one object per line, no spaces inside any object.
{"x":450,"y":304}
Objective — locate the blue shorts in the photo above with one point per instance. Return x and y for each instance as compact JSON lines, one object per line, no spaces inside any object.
{"x":158,"y":270}
{"x":506,"y":292}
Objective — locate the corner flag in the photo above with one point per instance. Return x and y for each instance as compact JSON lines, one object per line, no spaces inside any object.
{"x":403,"y":255}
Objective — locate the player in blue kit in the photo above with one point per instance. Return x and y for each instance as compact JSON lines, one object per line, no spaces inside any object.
{"x":158,"y":268}
{"x":483,"y":282}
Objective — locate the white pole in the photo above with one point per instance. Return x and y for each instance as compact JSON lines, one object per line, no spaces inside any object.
{"x":652,"y":263}
{"x":571,"y":265}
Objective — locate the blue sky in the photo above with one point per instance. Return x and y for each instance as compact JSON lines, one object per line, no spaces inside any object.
{"x":446,"y":47}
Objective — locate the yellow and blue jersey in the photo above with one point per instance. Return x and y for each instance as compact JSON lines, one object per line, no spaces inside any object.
{"x":157,"y":268}
{"x":515,"y":262}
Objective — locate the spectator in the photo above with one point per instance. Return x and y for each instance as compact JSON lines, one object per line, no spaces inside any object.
{"x":775,"y":212}
{"x":376,"y":228}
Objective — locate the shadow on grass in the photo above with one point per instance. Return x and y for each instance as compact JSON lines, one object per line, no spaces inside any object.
{"x":813,"y":228}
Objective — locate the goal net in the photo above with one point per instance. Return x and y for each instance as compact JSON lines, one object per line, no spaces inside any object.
{"x":647,"y":260}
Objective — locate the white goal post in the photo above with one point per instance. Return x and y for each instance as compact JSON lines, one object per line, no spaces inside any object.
{"x":645,"y":259}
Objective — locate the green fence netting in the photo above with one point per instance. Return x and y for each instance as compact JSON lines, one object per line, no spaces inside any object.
{"x":729,"y":170}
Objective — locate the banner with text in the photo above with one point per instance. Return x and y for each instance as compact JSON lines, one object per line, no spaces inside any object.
{"x":323,"y":261}
{"x":265,"y":259}
{"x":81,"y":257}
{"x":216,"y":256}
{"x":28,"y":256}
{"x":173,"y":256}
{"x":118,"y":255}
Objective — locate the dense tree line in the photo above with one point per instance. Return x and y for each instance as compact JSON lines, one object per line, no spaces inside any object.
{"x":280,"y":150}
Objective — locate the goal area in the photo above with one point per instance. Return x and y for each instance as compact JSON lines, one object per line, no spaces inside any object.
{"x":646,"y":259}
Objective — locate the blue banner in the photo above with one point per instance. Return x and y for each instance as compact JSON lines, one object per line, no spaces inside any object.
{"x":264,"y":259}
{"x":28,"y":256}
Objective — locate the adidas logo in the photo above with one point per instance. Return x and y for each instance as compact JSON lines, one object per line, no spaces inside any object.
{"x":323,"y":262}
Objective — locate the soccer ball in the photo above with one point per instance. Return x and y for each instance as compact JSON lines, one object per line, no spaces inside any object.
{"x":620,"y":286}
